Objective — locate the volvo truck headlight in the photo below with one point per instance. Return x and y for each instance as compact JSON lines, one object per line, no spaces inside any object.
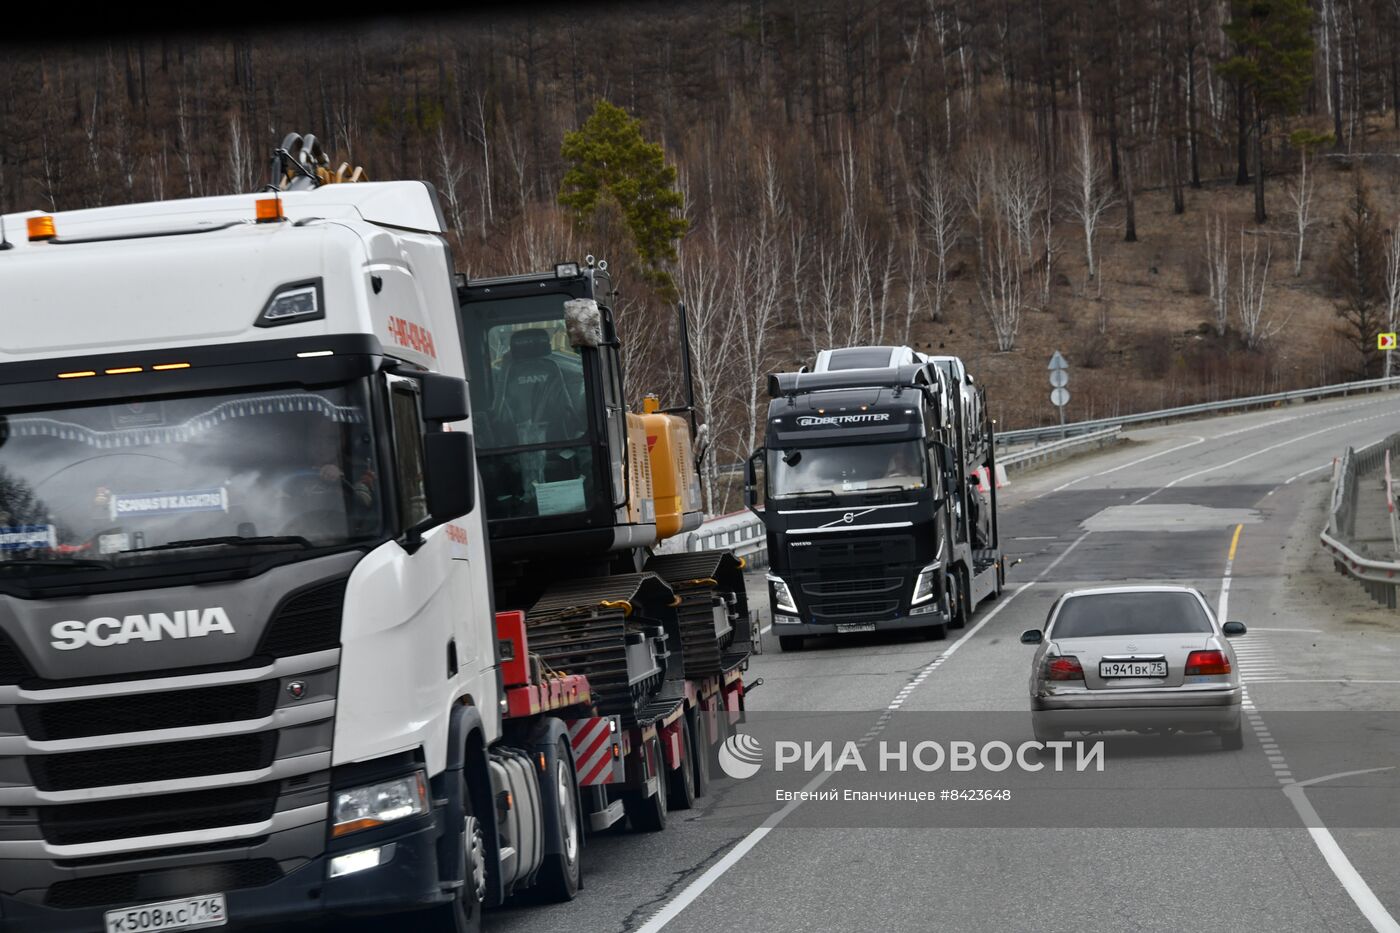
{"x":924,"y":587}
{"x":376,"y":804}
{"x":782,"y":596}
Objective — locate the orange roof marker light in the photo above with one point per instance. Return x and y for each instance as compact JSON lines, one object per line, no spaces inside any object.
{"x":162,"y":367}
{"x":122,"y":370}
{"x":78,"y":375}
{"x":269,"y":211}
{"x":41,"y":228}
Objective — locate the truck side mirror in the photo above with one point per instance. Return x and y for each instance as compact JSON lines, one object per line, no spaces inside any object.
{"x":444,"y":398}
{"x":449,"y":475}
{"x":754,"y":482}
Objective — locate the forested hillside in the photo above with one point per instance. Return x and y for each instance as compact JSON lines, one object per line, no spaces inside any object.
{"x":1190,"y":198}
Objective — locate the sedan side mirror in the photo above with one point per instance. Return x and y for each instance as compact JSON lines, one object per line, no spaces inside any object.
{"x":1032,"y":636}
{"x":1231,"y":629}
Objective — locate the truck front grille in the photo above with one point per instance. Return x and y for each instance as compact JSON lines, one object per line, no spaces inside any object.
{"x":171,"y":709}
{"x":139,"y":887}
{"x":852,"y":587}
{"x":306,"y":622}
{"x":854,"y":608}
{"x":137,"y":764}
{"x":100,"y":821}
{"x":13,"y":668}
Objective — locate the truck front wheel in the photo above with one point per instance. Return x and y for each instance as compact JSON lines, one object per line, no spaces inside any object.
{"x":463,"y":914}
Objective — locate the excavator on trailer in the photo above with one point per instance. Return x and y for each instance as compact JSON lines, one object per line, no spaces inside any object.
{"x":578,"y":490}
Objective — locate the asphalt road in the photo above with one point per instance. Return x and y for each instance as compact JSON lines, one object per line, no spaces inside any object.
{"x":1165,"y":507}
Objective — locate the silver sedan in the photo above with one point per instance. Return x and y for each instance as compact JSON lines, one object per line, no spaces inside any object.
{"x":1138,"y":658}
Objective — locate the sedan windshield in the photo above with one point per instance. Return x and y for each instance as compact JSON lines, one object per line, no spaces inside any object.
{"x":851,"y":468}
{"x":98,"y":485}
{"x":1098,"y":614}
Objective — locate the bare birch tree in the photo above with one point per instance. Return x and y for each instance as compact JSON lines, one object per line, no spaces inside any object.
{"x":1392,"y":288}
{"x":1300,"y":195}
{"x":1252,"y":305}
{"x":706,"y":286}
{"x":1090,"y":194}
{"x":1217,"y":255}
{"x":999,"y":282}
{"x":450,"y":170}
{"x":942,"y":219}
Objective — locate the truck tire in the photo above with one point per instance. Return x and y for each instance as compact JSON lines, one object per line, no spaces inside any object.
{"x":680,"y":783}
{"x":790,"y":642}
{"x":701,"y":748}
{"x":648,"y":814}
{"x":463,"y":914}
{"x":561,"y":873}
{"x":936,"y":632}
{"x":957,"y":617}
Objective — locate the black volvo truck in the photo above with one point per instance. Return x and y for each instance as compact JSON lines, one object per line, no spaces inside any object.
{"x":867,"y":487}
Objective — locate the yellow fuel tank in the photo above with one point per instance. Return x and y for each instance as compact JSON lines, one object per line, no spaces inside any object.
{"x":674,"y":480}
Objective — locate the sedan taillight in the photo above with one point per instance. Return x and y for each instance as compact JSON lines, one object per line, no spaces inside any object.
{"x":1063,"y":669}
{"x":1207,"y":663}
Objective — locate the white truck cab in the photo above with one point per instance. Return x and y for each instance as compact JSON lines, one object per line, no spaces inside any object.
{"x":245,"y":614}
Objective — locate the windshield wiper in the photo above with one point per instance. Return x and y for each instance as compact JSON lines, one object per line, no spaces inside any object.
{"x":66,"y":562}
{"x":230,"y":540}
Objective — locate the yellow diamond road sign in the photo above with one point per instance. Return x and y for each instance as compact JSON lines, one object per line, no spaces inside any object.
{"x":1385,"y":341}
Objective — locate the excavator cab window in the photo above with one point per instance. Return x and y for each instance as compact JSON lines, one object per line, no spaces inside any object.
{"x":530,"y":405}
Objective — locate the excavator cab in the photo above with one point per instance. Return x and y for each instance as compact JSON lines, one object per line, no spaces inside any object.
{"x":563,"y":465}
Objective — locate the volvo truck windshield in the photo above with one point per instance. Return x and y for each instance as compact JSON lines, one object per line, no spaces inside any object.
{"x":851,"y":468}
{"x":105,"y":485}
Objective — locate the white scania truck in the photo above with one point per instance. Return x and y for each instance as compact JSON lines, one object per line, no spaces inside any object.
{"x":250,"y":668}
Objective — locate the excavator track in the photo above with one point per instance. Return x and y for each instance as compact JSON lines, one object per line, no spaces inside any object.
{"x":714,"y":614}
{"x":619,"y":631}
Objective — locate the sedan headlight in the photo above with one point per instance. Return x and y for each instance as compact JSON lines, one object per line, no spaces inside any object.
{"x":376,"y":804}
{"x":924,"y":586}
{"x":782,"y":596}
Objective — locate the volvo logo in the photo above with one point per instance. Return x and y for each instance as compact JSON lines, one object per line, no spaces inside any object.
{"x":848,"y":517}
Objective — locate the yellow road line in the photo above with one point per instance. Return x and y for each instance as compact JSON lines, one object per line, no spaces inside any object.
{"x":1235,"y":541}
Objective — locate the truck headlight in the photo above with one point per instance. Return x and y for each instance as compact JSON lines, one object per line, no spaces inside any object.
{"x":782,"y":596}
{"x":376,"y":804}
{"x":924,"y":586}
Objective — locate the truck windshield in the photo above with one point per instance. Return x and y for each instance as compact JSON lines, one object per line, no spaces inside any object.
{"x":529,"y":405}
{"x":104,"y":485}
{"x":845,"y":469}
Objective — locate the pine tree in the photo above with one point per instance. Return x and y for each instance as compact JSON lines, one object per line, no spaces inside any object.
{"x":1357,"y":270}
{"x":609,"y":159}
{"x":1273,"y":64}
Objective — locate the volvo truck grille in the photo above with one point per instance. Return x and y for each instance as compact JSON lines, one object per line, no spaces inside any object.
{"x":853,"y":587}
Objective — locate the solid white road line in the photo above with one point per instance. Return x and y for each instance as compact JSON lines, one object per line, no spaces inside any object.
{"x":1361,"y":894}
{"x":1160,"y":453}
{"x":1263,"y":450}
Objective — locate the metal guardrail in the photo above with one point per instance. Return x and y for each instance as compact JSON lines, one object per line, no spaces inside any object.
{"x":1381,"y":578}
{"x":1042,"y":452}
{"x":1166,"y":414}
{"x":744,"y":534}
